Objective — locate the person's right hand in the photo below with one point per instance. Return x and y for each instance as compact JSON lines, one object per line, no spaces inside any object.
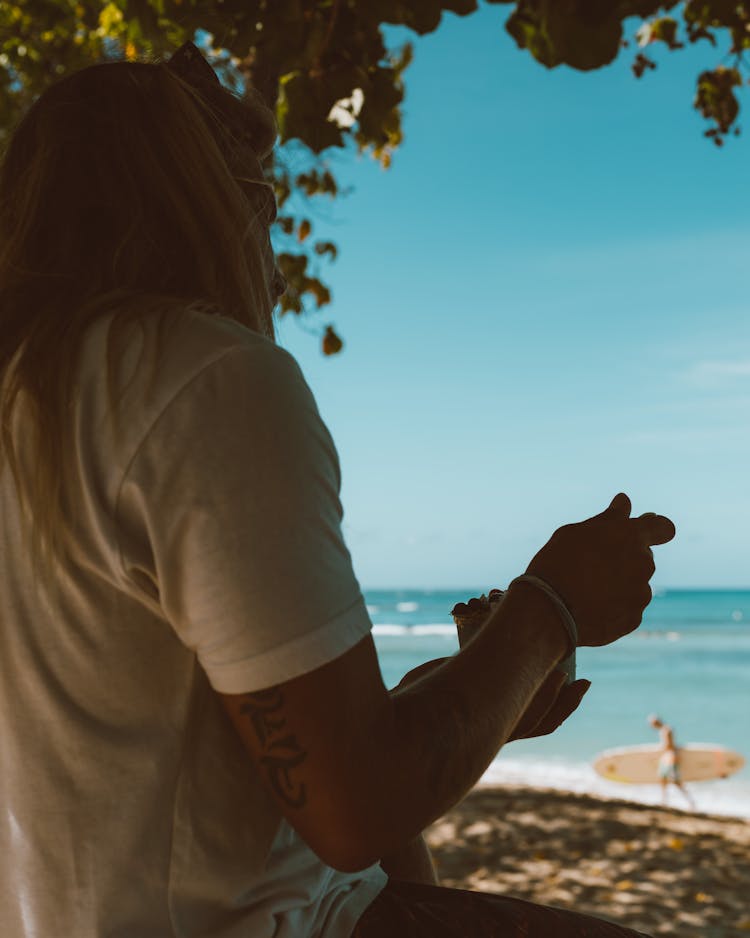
{"x":601,"y":568}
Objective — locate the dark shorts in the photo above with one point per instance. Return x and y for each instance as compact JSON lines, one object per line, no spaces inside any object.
{"x":412,"y":910}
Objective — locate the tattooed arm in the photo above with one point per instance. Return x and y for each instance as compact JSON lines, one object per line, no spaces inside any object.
{"x":280,"y":754}
{"x":359,"y":771}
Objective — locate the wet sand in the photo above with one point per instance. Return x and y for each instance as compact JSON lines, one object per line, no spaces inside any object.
{"x":658,"y":870}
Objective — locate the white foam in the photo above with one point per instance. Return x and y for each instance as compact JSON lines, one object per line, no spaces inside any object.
{"x":435,"y":628}
{"x":389,"y":629}
{"x":407,"y":607}
{"x":429,"y":628}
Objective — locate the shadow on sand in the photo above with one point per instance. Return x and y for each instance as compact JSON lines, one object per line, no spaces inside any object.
{"x":656,"y":870}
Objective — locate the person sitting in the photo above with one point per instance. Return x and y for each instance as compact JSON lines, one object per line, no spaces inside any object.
{"x":196,"y":738}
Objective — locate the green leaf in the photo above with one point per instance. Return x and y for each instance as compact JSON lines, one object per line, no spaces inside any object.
{"x":665,"y":30}
{"x":292,"y":266}
{"x":326,"y":247}
{"x":584,"y":42}
{"x":529,"y":33}
{"x":643,"y":8}
{"x":110,"y":18}
{"x":387,"y":11}
{"x":304,"y":229}
{"x":460,"y":7}
{"x":403,"y":59}
{"x":423,"y":16}
{"x":382,"y":98}
{"x":286,"y":223}
{"x":581,"y":34}
{"x":319,"y":290}
{"x":715,"y":97}
{"x":303,"y":110}
{"x":700,"y":32}
{"x":712,"y":12}
{"x":331,"y":343}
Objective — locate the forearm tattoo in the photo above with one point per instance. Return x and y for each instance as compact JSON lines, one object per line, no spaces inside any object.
{"x":282,"y":754}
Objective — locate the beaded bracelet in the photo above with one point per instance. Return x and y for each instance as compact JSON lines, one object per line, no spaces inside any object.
{"x":565,"y":614}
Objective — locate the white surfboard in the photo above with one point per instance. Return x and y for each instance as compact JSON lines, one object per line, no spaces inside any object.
{"x":638,"y":765}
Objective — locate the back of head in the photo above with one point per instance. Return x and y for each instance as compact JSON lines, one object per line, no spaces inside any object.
{"x":118,"y":190}
{"x":118,"y":178}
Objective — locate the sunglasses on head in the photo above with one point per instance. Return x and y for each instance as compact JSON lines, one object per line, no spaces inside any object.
{"x":189,"y":64}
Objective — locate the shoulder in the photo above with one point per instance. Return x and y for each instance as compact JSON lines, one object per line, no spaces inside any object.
{"x":197,"y":339}
{"x":194,"y":365}
{"x":212,"y":376}
{"x":187,"y":348}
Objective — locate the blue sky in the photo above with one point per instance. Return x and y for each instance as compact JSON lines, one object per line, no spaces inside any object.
{"x":543,"y":303}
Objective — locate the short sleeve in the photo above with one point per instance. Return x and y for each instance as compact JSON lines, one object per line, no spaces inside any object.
{"x":230,"y":519}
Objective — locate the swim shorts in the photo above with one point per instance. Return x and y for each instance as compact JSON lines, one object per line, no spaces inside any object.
{"x":668,"y":770}
{"x":416,"y":910}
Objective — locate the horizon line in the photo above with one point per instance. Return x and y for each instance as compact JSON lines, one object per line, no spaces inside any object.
{"x":656,"y":589}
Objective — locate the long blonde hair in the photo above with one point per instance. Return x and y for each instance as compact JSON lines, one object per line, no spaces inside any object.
{"x":118,"y":192}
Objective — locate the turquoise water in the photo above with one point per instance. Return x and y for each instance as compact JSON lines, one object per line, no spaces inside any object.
{"x":689,"y":662}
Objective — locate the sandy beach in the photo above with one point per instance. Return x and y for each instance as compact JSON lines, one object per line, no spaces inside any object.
{"x":658,"y":870}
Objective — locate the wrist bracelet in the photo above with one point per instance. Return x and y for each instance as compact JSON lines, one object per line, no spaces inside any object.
{"x":565,"y":614}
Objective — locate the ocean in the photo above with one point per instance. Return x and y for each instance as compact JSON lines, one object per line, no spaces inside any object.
{"x":689,"y":662}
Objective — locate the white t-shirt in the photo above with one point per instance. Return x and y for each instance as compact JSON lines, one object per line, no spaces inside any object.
{"x":212,"y":556}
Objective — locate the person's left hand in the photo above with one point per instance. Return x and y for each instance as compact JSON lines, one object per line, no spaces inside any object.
{"x":550,"y":707}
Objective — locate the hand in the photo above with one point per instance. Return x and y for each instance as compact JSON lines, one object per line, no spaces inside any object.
{"x":550,"y":707}
{"x":601,"y":568}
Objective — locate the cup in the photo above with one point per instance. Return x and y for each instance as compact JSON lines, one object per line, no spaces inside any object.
{"x":469,"y":617}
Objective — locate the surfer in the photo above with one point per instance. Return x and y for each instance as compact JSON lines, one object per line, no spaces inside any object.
{"x":669,"y":767}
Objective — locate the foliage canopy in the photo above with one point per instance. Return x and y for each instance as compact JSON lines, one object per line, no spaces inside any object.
{"x":324,"y":66}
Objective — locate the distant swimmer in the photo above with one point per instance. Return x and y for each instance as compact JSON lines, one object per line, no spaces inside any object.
{"x":669,"y":766}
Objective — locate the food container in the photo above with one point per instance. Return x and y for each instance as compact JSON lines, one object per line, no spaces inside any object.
{"x":470,"y":616}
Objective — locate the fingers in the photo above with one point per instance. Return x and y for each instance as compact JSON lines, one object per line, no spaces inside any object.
{"x":619,"y":507}
{"x":643,"y":565}
{"x":567,"y":702}
{"x":646,"y":596}
{"x":655,"y":529}
{"x":538,"y":708}
{"x":572,"y":696}
{"x":540,"y":704}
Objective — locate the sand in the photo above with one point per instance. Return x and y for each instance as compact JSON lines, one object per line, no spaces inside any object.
{"x":658,"y":870}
